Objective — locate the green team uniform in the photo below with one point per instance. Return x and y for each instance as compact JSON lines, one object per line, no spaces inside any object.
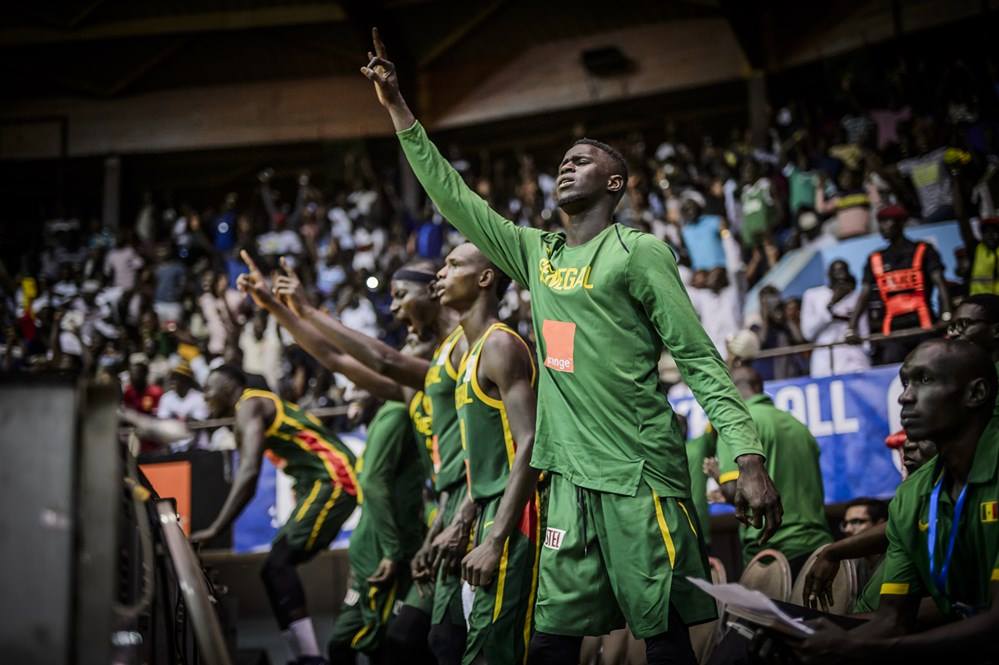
{"x":974,"y":566}
{"x":391,"y":526}
{"x":500,"y":622}
{"x":448,"y":463}
{"x":698,"y":449}
{"x":322,"y":468}
{"x":419,"y":414}
{"x":602,"y":313}
{"x":793,"y":463}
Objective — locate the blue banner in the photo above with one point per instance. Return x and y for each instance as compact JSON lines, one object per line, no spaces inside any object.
{"x":273,"y":502}
{"x":849,"y":415}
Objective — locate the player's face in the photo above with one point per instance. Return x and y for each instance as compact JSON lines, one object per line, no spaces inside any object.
{"x":932,"y":399}
{"x":917,"y":453}
{"x":413,"y":304}
{"x":583,"y":176}
{"x":459,"y":281}
{"x":218,"y":395}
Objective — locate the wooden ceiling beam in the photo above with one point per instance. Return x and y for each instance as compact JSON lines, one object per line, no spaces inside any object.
{"x":170,"y":25}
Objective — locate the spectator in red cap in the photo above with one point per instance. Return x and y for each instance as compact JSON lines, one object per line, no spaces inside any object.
{"x":899,"y":281}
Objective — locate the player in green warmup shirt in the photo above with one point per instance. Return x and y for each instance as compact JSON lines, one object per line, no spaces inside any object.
{"x":325,"y":484}
{"x":621,"y":537}
{"x":793,"y":462}
{"x":943,"y":524}
{"x":496,"y":406}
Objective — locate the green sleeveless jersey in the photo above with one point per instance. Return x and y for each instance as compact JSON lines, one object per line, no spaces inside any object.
{"x":391,"y":476}
{"x":603,"y":311}
{"x":485,"y":430}
{"x":307,"y":450}
{"x":439,"y":384}
{"x":419,"y":414}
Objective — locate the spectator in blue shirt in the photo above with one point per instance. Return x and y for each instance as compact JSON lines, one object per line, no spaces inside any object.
{"x":701,"y":233}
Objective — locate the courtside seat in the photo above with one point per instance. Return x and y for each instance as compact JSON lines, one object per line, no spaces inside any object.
{"x":844,"y":589}
{"x":769,"y":573}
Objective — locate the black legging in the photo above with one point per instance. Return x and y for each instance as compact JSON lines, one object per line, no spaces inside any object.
{"x":407,"y":636}
{"x":284,"y":588}
{"x":447,"y":642}
{"x":669,"y":648}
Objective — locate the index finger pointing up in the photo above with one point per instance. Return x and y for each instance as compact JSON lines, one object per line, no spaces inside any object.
{"x":287,"y":268}
{"x":377,"y":40}
{"x":243,"y":254}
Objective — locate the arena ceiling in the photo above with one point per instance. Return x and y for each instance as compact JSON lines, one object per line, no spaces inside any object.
{"x":109,"y":48}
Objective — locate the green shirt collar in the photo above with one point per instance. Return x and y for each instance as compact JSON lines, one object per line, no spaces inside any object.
{"x":762,"y":398}
{"x":984,"y":465}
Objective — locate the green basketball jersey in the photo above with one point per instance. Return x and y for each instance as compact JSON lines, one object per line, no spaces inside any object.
{"x":485,"y":430}
{"x":306,"y":450}
{"x":439,"y":384}
{"x":419,"y":414}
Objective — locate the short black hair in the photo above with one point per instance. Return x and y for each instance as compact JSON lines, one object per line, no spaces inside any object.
{"x":989,"y":302}
{"x":876,"y":508}
{"x":617,"y":157}
{"x":232,"y":373}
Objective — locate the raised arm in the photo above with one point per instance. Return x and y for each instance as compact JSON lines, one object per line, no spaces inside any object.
{"x":507,"y":362}
{"x":653,"y":281}
{"x":502,"y":241}
{"x":250,"y":427}
{"x":376,"y":355}
{"x":316,"y":345}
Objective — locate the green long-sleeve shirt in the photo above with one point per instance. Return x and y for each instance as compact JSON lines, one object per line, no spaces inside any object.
{"x":391,"y":524}
{"x":603,"y":311}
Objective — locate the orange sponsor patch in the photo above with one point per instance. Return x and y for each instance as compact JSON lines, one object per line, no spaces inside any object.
{"x":560,"y":338}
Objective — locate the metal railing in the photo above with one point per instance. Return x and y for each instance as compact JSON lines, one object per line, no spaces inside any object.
{"x":877,"y":337}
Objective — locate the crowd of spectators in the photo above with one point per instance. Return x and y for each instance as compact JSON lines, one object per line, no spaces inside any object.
{"x":153,"y":305}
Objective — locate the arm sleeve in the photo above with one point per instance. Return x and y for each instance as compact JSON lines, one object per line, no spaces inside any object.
{"x":901,"y":578}
{"x":381,"y":459}
{"x":502,"y":241}
{"x":653,"y":280}
{"x":727,"y":468}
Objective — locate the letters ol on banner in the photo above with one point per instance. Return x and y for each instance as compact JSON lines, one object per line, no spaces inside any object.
{"x":849,"y":415}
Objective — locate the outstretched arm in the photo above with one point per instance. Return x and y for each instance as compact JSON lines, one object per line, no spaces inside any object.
{"x":654,"y":282}
{"x":507,"y":362}
{"x":250,"y":429}
{"x":316,"y":345}
{"x":374,"y":354}
{"x":818,"y":582}
{"x":502,"y":241}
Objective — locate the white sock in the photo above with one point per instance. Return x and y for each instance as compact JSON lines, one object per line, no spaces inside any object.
{"x":302,"y":638}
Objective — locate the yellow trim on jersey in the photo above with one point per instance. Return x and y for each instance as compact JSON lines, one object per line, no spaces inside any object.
{"x":894,"y":588}
{"x":330,"y":471}
{"x":322,"y":517}
{"x":995,"y":575}
{"x":372,"y":590}
{"x":501,"y":580}
{"x":448,"y":346}
{"x":278,"y":406}
{"x":511,"y":447}
{"x":689,"y":521}
{"x":529,"y":620}
{"x":667,"y":538}
{"x":308,"y":501}
{"x":728,"y":477}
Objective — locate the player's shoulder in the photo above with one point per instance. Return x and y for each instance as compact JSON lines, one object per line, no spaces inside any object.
{"x":642,"y":243}
{"x":503,"y":345}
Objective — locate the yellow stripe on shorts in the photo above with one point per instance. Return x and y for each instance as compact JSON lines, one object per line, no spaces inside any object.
{"x":689,"y":521}
{"x":322,"y":517}
{"x":308,"y":501}
{"x":501,"y":580}
{"x":667,"y":538}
